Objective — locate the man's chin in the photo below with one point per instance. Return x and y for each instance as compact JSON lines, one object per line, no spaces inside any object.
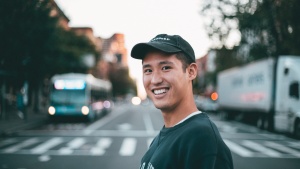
{"x":160,"y":106}
{"x":157,"y":104}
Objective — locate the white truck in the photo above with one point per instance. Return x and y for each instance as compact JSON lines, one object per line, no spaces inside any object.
{"x":266,"y":91}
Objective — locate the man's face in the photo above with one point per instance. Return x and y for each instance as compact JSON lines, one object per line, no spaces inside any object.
{"x":164,"y":80}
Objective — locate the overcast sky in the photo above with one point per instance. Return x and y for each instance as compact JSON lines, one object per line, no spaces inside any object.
{"x":139,"y":21}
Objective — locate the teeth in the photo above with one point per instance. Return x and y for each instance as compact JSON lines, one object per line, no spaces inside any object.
{"x":160,"y":91}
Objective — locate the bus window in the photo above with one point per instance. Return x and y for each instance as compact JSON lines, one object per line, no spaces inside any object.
{"x":67,"y":97}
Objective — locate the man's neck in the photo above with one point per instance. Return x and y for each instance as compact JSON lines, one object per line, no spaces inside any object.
{"x":171,"y":118}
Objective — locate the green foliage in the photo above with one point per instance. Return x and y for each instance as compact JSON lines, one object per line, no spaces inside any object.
{"x":225,"y":59}
{"x":121,"y":82}
{"x":24,"y":28}
{"x":65,"y":51}
{"x":268,"y":27}
{"x":33,"y":43}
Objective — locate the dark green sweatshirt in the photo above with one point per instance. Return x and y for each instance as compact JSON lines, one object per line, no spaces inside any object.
{"x":193,"y":144}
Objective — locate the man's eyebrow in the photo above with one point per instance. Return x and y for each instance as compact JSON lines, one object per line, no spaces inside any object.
{"x":160,"y":63}
{"x":165,"y":62}
{"x":146,"y":65}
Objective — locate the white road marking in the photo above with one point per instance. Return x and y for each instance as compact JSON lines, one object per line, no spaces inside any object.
{"x":149,"y":141}
{"x":248,"y":148}
{"x":93,"y":127}
{"x":8,"y":141}
{"x":101,"y":146}
{"x":148,"y":123}
{"x":261,"y":148}
{"x":295,"y":144}
{"x":65,"y":151}
{"x":238,"y":149}
{"x":100,"y":133}
{"x":282,"y":148}
{"x":42,"y":148}
{"x":74,"y":144}
{"x":44,"y":158}
{"x":124,"y":126}
{"x":23,"y":144}
{"x":128,"y":147}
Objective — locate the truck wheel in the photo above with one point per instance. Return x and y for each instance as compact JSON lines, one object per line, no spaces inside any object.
{"x":262,"y":123}
{"x":297,"y":129}
{"x":223,"y":115}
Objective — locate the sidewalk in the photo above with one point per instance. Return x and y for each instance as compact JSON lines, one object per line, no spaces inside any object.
{"x":14,"y":123}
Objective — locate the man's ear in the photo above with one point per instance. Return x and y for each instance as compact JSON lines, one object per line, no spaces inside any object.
{"x":192,"y":71}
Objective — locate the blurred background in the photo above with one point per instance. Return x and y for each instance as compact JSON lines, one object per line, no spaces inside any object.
{"x":61,"y":59}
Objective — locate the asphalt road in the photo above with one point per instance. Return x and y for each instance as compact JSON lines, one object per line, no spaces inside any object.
{"x":119,"y":140}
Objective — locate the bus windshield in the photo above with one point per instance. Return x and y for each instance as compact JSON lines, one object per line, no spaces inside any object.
{"x":68,"y":97}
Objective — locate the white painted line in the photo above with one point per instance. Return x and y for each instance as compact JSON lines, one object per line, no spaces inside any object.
{"x":97,"y":151}
{"x":101,"y":145}
{"x":295,"y":144}
{"x":65,"y":151}
{"x":96,"y":125}
{"x":104,"y":142}
{"x":149,"y":141}
{"x":7,"y":141}
{"x":261,"y":148}
{"x":124,"y":126}
{"x":128,"y":147}
{"x":148,"y":123}
{"x":74,"y":144}
{"x":100,"y":133}
{"x":282,"y":148}
{"x":44,"y":158}
{"x":238,"y":149}
{"x":23,"y":144}
{"x":42,"y":148}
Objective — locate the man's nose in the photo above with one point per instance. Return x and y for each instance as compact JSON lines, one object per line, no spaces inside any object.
{"x":156,"y":78}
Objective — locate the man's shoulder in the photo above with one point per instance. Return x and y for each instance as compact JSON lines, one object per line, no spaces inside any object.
{"x":198,"y":126}
{"x":199,"y":122}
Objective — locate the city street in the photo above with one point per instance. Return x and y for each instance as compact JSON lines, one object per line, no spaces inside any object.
{"x":118,"y":141}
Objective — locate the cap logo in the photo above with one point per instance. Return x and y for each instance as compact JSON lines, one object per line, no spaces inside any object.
{"x":159,"y":38}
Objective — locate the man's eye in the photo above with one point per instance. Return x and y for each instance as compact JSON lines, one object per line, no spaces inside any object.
{"x":147,"y":70}
{"x":166,"y":67}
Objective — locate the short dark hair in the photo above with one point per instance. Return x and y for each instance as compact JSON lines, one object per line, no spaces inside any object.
{"x":186,"y":61}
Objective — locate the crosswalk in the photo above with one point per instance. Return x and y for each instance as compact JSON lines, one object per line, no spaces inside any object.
{"x":75,"y":146}
{"x":265,"y":149}
{"x":128,"y":146}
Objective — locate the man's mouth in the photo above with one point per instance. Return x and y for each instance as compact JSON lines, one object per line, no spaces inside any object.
{"x":160,"y":91}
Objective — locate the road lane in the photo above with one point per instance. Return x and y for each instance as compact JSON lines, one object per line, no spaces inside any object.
{"x":124,"y":136}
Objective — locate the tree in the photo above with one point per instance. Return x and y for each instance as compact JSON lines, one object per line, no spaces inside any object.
{"x":121,"y":81}
{"x":25,"y":26}
{"x":268,"y":28}
{"x":33,"y":41}
{"x":64,"y":52}
{"x":34,"y":46}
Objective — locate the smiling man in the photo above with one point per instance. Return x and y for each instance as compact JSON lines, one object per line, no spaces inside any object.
{"x":188,"y":139}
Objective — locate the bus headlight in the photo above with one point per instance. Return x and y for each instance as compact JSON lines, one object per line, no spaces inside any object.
{"x":106,"y":104}
{"x":85,"y":110}
{"x":51,"y":110}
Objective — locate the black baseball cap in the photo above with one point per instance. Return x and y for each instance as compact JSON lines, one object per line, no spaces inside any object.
{"x":165,"y":43}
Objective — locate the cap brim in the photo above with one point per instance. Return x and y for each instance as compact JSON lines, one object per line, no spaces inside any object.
{"x":141,"y":49}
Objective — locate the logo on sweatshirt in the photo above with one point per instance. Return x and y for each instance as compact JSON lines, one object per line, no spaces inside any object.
{"x":150,"y":166}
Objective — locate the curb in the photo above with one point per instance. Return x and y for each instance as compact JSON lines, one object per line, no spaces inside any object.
{"x":25,"y":126}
